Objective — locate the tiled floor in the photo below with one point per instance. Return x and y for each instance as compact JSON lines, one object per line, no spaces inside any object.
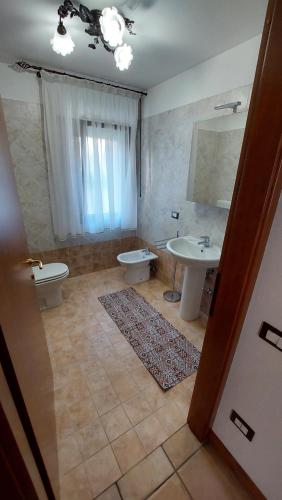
{"x":119,"y":434}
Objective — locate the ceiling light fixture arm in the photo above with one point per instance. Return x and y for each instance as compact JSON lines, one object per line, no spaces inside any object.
{"x":105,"y":26}
{"x":92,"y":18}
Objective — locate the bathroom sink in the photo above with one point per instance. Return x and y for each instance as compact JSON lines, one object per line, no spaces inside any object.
{"x":186,"y":250}
{"x":196,"y":259}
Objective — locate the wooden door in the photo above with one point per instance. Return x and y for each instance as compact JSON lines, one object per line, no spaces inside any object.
{"x":24,"y":355}
{"x":256,"y":194}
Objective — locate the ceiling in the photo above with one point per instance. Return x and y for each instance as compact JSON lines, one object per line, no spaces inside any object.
{"x":171,"y":35}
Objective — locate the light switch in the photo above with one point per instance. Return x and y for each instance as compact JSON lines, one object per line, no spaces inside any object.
{"x":238,"y":423}
{"x":242,"y":425}
{"x":272,"y":337}
{"x":279,"y":343}
{"x":244,"y":429}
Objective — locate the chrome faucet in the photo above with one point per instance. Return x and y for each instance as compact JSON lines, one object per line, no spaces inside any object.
{"x":205,"y":241}
{"x":146,"y":251}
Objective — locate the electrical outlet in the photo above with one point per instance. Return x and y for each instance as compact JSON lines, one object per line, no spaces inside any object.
{"x":271,"y":335}
{"x":242,"y":425}
{"x":174,"y":214}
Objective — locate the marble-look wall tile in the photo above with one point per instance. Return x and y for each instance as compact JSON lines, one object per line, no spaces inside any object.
{"x":84,"y":259}
{"x":25,"y":134}
{"x":166,"y":146}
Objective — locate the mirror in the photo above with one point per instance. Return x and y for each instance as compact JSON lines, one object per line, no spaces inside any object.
{"x":215,"y":152}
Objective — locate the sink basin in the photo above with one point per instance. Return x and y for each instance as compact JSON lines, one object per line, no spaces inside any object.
{"x":186,"y":250}
{"x":196,"y":259}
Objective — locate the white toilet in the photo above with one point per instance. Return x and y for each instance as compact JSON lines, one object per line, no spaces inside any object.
{"x":137,"y":265}
{"x":48,"y":281}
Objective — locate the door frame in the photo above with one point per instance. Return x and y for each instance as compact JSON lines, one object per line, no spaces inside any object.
{"x":256,"y":194}
{"x":15,"y":479}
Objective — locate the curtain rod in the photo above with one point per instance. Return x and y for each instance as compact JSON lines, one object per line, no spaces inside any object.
{"x":24,"y":66}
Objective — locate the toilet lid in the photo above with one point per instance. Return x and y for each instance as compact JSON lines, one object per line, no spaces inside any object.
{"x":50,"y":272}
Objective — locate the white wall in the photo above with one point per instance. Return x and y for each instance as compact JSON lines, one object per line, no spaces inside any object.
{"x":254,"y":385}
{"x":21,"y":87}
{"x":231,"y":69}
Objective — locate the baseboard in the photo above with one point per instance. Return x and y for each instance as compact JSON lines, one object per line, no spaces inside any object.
{"x":237,"y":469}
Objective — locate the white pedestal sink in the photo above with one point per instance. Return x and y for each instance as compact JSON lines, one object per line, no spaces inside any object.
{"x":197,"y":259}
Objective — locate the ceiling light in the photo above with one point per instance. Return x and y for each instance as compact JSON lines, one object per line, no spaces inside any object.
{"x":61,"y":42}
{"x":106,"y":27}
{"x":123,"y":57}
{"x":112,"y":26}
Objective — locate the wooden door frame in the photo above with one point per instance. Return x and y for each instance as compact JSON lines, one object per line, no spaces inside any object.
{"x":16,"y":394}
{"x":256,"y":194}
{"x":15,"y":479}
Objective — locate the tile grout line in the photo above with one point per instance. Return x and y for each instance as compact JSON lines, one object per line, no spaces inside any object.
{"x":137,"y":463}
{"x":159,"y":486}
{"x":183,"y":484}
{"x":118,"y":488}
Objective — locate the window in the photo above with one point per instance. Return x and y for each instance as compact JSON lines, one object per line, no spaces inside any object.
{"x":106,"y":171}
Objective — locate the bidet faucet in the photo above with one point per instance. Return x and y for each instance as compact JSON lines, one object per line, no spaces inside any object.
{"x":205,"y":241}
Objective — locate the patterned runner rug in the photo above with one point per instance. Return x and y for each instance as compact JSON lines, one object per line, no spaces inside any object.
{"x":164,"y":351}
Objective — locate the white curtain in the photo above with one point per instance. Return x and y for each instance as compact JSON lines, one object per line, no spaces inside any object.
{"x":90,"y":139}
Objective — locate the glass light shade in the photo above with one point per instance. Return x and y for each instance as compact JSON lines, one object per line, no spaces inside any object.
{"x":112,"y":26}
{"x":123,"y":56}
{"x":62,"y":44}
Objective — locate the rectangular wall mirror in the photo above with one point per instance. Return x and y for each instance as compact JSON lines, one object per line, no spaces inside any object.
{"x":215,"y":152}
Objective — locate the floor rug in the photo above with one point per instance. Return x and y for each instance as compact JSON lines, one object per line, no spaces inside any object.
{"x":164,"y":351}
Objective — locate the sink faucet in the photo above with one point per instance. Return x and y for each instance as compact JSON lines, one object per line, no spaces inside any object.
{"x":205,"y":241}
{"x":146,"y":251}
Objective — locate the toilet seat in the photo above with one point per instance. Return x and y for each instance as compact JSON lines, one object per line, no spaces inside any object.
{"x":50,"y":272}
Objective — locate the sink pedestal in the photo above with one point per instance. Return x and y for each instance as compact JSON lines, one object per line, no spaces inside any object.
{"x":193,"y":284}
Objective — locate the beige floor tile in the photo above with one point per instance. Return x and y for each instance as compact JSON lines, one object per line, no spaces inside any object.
{"x":115,"y":369}
{"x":155,"y":396}
{"x":64,"y":357}
{"x":123,"y":349}
{"x":171,"y":417}
{"x":183,"y":402}
{"x":83,"y":412}
{"x":146,"y":476}
{"x":64,"y":421}
{"x":151,"y":433}
{"x":206,"y":478}
{"x":142,"y":377}
{"x":97,"y":380}
{"x":137,"y":408}
{"x":172,"y":489}
{"x":125,"y":387}
{"x":115,"y":423}
{"x":75,"y":485}
{"x":74,"y":391}
{"x":91,"y":438}
{"x":69,"y":454}
{"x":105,"y":400}
{"x":131,"y":361}
{"x":128,"y":450}
{"x":102,"y":470}
{"x":67,"y":374}
{"x":110,"y":494}
{"x":181,"y":446}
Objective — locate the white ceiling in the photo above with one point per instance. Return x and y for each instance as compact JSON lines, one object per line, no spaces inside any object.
{"x":171,"y":35}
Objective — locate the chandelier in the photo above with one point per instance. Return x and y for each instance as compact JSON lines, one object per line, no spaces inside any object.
{"x":106,"y":27}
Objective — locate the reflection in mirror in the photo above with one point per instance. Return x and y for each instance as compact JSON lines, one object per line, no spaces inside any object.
{"x":215,"y":152}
